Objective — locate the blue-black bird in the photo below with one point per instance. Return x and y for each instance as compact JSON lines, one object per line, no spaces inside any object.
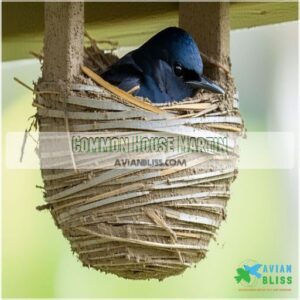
{"x":166,"y":68}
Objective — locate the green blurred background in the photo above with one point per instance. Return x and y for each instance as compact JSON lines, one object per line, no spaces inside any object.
{"x":262,"y":212}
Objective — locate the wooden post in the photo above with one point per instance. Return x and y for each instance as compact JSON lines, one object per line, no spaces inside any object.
{"x":63,"y":57}
{"x":63,"y":42}
{"x":209,"y":24}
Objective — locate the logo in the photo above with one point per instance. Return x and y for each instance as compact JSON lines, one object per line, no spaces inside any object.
{"x":248,"y":272}
{"x":253,"y":275}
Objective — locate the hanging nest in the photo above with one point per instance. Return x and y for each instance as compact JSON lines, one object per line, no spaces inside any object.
{"x":147,"y":223}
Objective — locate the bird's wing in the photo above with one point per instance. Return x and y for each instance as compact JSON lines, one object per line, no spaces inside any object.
{"x":244,"y":274}
{"x":247,"y":268}
{"x":256,"y":267}
{"x":253,"y":269}
{"x":125,"y":73}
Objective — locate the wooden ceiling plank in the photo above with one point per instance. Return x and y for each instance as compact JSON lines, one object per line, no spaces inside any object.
{"x":246,"y":15}
{"x":128,"y":23}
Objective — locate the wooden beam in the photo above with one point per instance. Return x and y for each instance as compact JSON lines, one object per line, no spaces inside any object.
{"x":130,"y":24}
{"x":63,"y":40}
{"x":251,"y":14}
{"x":209,"y":24}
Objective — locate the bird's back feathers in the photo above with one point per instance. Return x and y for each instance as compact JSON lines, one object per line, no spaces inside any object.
{"x":151,"y":67}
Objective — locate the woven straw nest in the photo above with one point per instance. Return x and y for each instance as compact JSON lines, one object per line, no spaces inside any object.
{"x":151,"y":223}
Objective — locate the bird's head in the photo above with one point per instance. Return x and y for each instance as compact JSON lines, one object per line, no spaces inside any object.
{"x":178,"y":49}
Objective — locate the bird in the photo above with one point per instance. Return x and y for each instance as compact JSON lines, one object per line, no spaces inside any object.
{"x":253,"y":270}
{"x":242,"y":275}
{"x":168,"y":67}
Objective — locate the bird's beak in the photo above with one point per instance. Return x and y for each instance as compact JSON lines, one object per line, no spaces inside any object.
{"x":206,"y":84}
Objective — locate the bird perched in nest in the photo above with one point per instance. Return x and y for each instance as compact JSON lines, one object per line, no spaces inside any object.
{"x":168,"y":67}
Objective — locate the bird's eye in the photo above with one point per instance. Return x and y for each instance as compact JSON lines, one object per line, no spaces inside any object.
{"x":178,"y":70}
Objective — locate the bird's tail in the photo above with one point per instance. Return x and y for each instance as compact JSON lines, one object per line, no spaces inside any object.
{"x":238,"y":278}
